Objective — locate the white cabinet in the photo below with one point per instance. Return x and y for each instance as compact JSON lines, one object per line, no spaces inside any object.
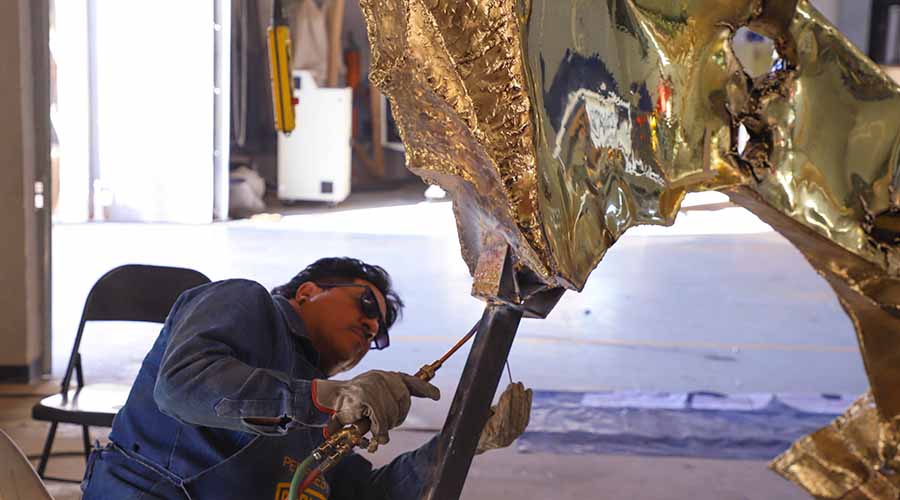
{"x":314,"y":161}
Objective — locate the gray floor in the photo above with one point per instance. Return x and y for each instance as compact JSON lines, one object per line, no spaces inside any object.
{"x":727,"y":307}
{"x":721,"y":312}
{"x":497,"y":474}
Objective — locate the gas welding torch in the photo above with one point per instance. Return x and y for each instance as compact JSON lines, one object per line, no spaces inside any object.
{"x":341,"y":443}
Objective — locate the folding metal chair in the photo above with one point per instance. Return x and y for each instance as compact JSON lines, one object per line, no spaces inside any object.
{"x":131,"y":292}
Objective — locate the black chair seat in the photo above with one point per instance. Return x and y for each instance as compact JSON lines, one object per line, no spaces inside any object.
{"x":95,"y":405}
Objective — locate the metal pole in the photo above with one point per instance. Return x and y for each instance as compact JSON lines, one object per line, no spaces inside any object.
{"x":472,"y":402}
{"x":93,"y":111}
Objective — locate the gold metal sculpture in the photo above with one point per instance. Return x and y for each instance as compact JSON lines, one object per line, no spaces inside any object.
{"x":558,"y":124}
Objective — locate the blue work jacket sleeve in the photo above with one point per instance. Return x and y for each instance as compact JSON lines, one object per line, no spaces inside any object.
{"x":405,"y":478}
{"x":211,"y":373}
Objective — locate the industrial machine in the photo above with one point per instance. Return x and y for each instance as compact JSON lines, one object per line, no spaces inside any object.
{"x":279,"y":47}
{"x":314,"y":160}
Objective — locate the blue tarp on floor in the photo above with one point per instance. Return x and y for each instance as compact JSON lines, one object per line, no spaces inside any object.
{"x":697,"y":424}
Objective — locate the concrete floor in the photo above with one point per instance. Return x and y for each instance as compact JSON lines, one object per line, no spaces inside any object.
{"x":718,"y":303}
{"x":496,"y":474}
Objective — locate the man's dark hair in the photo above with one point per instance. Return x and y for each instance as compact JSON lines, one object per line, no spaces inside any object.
{"x":331,"y":270}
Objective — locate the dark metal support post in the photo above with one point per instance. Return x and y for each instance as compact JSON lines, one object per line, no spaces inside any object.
{"x":48,"y":447}
{"x":86,"y":440}
{"x":472,"y":402}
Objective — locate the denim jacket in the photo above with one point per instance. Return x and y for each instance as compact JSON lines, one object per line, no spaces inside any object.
{"x":229,"y":351}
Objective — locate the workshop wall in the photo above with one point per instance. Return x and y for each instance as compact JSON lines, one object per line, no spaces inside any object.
{"x":24,"y":159}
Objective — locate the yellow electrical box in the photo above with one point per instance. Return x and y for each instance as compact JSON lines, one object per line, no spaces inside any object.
{"x":279,"y":38}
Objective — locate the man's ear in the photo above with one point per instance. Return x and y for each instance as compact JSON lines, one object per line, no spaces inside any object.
{"x":306,"y":291}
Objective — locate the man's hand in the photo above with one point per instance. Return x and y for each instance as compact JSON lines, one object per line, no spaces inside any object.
{"x":508,"y":419}
{"x":383,"y":397}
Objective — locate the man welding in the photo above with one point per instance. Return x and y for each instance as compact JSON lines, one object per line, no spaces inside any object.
{"x":235,"y":393}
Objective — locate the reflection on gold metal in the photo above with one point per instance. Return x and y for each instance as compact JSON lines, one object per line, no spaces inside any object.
{"x":842,"y":461}
{"x":558,"y":124}
{"x":455,"y":75}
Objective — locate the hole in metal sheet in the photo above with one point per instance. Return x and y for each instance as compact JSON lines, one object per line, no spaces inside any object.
{"x":756,"y":52}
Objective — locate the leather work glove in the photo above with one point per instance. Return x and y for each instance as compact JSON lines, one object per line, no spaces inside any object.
{"x":383,"y":397}
{"x":508,"y":419}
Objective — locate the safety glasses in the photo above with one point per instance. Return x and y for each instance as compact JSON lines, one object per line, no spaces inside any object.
{"x":368,"y":304}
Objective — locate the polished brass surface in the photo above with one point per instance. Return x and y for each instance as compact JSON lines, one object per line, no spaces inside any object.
{"x":455,"y":75}
{"x":558,"y":124}
{"x":633,"y":102}
{"x":842,"y":461}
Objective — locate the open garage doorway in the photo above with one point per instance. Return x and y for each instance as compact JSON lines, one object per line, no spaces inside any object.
{"x":140,"y":110}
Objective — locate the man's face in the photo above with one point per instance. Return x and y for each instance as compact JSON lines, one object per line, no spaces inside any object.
{"x":336,"y":323}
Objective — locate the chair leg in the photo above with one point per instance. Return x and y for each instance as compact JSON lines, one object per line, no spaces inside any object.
{"x":86,"y":437}
{"x":48,"y":444}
